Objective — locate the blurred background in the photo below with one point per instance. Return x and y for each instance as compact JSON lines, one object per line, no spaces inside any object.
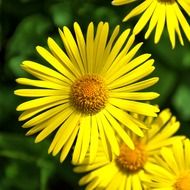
{"x":27,"y":23}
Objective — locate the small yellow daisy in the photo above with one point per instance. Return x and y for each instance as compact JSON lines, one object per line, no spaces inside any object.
{"x":173,"y":171}
{"x":159,"y":13}
{"x":87,"y":91}
{"x":130,"y":169}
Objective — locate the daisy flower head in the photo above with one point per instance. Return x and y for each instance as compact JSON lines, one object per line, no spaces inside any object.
{"x":86,"y":91}
{"x":129,"y":170}
{"x":160,"y":13}
{"x":173,"y":172}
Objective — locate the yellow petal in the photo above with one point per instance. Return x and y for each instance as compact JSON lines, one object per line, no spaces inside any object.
{"x":55,"y":49}
{"x":38,"y":83}
{"x":56,"y":64}
{"x":138,"y":10}
{"x":68,"y":144}
{"x":119,"y":130}
{"x":54,"y":123}
{"x":144,"y":18}
{"x":39,"y":102}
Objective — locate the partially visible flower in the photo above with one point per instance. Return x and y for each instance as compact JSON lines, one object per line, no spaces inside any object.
{"x":130,"y":170}
{"x":86,"y":92}
{"x":173,"y":172}
{"x":159,"y":13}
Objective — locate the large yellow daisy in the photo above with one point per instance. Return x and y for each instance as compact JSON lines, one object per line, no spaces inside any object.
{"x":87,"y":91}
{"x":130,"y":170}
{"x":159,"y":13}
{"x":173,"y":172}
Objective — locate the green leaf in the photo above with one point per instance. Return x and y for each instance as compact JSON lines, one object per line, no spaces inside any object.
{"x":19,"y":147}
{"x":165,"y":85}
{"x":62,"y":14}
{"x":181,"y":101}
{"x":47,"y":169}
{"x":106,"y":14}
{"x":177,"y":58}
{"x":32,"y":31}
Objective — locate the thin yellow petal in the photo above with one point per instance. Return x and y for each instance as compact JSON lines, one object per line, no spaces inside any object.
{"x":161,"y":21}
{"x":110,"y":43}
{"x":170,"y":159}
{"x":39,"y":102}
{"x":138,"y":85}
{"x":136,"y":107}
{"x":45,"y":72}
{"x":31,"y":112}
{"x":63,"y":58}
{"x":178,"y":151}
{"x":45,"y":115}
{"x":183,"y":22}
{"x":115,"y":50}
{"x":186,"y":151}
{"x":185,"y":6}
{"x":41,"y":92}
{"x":56,"y":64}
{"x":123,"y":66}
{"x":78,"y":145}
{"x":134,"y":95}
{"x":109,"y":133}
{"x":138,"y":10}
{"x":54,"y":123}
{"x":119,"y":130}
{"x":153,"y":20}
{"x":65,"y":131}
{"x":170,"y":20}
{"x":39,"y":83}
{"x":133,"y":76}
{"x":94,"y":140}
{"x":100,"y":45}
{"x":121,"y":2}
{"x":136,"y":182}
{"x":81,"y":44}
{"x":68,"y":144}
{"x":144,"y":18}
{"x":123,"y":117}
{"x":85,"y":138}
{"x":103,"y":137}
{"x":35,"y":129}
{"x":71,"y":47}
{"x":90,"y":46}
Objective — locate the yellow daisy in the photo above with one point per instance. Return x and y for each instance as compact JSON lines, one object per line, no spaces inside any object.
{"x":173,"y":172}
{"x":130,"y":169}
{"x":87,"y":91}
{"x":159,"y":13}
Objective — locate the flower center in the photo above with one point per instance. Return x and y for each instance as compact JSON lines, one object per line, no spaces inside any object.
{"x":89,"y":94}
{"x":132,"y":160}
{"x":167,"y":1}
{"x":183,"y":183}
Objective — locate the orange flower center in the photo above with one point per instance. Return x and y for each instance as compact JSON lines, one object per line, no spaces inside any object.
{"x":89,"y":94}
{"x":132,"y":160}
{"x":183,"y":183}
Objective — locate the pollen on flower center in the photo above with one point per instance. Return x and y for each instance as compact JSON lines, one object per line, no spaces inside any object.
{"x":183,"y":183}
{"x":89,"y":94}
{"x":132,"y":160}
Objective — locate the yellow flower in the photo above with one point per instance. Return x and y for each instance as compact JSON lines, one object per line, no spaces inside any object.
{"x":173,"y":171}
{"x":130,"y":169}
{"x":87,"y":91}
{"x":159,"y":12}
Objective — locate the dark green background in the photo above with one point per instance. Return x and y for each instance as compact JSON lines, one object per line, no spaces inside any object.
{"x":27,"y":23}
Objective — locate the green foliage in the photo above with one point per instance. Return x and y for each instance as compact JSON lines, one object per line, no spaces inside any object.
{"x":26,"y":24}
{"x":181,"y":101}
